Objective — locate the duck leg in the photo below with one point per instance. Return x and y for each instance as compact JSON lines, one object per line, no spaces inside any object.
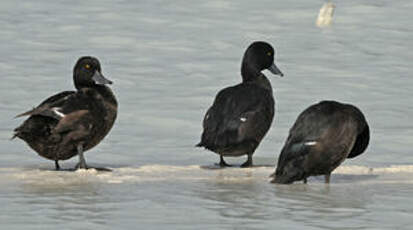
{"x":56,"y":164}
{"x":247,"y":163}
{"x":222,"y":163}
{"x":82,"y":161}
{"x":327,"y":178}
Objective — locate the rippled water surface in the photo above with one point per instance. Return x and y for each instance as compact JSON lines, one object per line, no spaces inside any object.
{"x":168,"y":59}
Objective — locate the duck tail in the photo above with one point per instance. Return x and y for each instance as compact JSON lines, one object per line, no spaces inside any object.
{"x":16,"y":133}
{"x":14,"y":136}
{"x":25,"y":113}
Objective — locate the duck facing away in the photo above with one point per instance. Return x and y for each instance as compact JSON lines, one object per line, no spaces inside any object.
{"x":72,"y":122}
{"x":322,"y":137}
{"x":242,"y":114}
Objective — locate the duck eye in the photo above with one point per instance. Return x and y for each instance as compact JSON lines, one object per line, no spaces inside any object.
{"x":87,"y":66}
{"x":269,"y":53}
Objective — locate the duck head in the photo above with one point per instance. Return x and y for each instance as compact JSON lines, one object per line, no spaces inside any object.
{"x":88,"y":73}
{"x":288,"y":172}
{"x":258,"y":56}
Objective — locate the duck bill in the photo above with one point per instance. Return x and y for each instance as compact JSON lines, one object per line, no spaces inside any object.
{"x":274,"y":69}
{"x":99,"y":79}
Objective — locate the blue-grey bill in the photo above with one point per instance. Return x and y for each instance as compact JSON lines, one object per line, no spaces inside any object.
{"x":100,"y":79}
{"x":274,"y":69}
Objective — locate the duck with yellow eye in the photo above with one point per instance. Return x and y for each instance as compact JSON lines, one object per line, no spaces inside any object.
{"x":72,"y":122}
{"x":241,"y":115}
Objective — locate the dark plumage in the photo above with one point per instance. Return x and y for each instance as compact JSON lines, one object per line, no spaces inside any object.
{"x":324,"y":135}
{"x":71,"y":122}
{"x":242,"y":114}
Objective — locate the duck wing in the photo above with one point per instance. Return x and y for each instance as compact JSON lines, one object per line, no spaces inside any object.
{"x":62,"y":104}
{"x":49,"y":106}
{"x":240,"y":113}
{"x":61,"y":113}
{"x":69,"y":108}
{"x":319,"y":129}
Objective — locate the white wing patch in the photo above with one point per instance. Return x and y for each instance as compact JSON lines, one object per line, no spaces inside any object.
{"x":243,"y":119}
{"x":57,"y":112}
{"x":310,"y":143}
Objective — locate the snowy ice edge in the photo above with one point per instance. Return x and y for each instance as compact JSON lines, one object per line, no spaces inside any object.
{"x":155,"y":168}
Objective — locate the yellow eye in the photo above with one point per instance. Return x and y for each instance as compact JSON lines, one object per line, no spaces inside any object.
{"x":269,"y":53}
{"x":87,"y":66}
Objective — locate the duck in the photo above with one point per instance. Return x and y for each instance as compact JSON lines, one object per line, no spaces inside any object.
{"x":70,"y":123}
{"x":323,"y":136}
{"x":241,"y":115}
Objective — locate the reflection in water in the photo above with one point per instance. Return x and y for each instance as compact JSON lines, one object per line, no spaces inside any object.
{"x":218,"y":198}
{"x":64,"y":198}
{"x":252,"y":200}
{"x":319,"y":205}
{"x":240,"y":197}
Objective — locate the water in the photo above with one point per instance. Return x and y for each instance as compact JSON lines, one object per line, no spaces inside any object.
{"x":168,"y":59}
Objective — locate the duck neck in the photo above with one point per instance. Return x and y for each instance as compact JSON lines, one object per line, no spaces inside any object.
{"x":255,"y":76}
{"x":106,"y":93}
{"x":81,"y":83}
{"x":103,"y":90}
{"x":249,"y":73}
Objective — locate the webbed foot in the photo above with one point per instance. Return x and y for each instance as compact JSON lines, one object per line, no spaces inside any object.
{"x":247,"y":163}
{"x":222,"y":163}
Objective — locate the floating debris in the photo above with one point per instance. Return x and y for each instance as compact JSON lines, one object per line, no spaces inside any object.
{"x":325,"y":17}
